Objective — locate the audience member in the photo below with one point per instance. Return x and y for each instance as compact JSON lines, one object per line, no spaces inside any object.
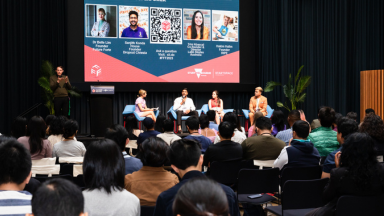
{"x":69,"y":147}
{"x":159,"y":125}
{"x":251,"y":130}
{"x":278,"y":122}
{"x":338,"y":116}
{"x":302,"y":116}
{"x":316,"y":123}
{"x":19,"y":127}
{"x":118,"y":134}
{"x":152,"y":178}
{"x":357,"y":173}
{"x":369,"y":110}
{"x":103,"y":170}
{"x":300,"y":152}
{"x":264,"y":146}
{"x":224,"y":150}
{"x":204,"y":128}
{"x":186,"y":159}
{"x":149,"y":124}
{"x":168,"y":136}
{"x":200,"y":196}
{"x":212,"y":117}
{"x":58,"y":197}
{"x":374,"y":126}
{"x":48,"y":120}
{"x":131,"y":126}
{"x":345,"y":127}
{"x":239,"y":136}
{"x":192,"y":124}
{"x":56,"y":130}
{"x":286,"y":135}
{"x":324,"y":138}
{"x":352,"y":115}
{"x":15,"y":172}
{"x":35,"y":140}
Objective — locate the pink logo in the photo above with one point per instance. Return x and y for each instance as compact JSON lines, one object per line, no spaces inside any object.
{"x":96,"y":71}
{"x":166,"y":25}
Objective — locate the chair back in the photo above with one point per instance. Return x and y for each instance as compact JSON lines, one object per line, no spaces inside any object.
{"x":225,"y":172}
{"x":46,"y":170}
{"x":205,"y":108}
{"x":300,"y":173}
{"x":269,"y":111}
{"x":248,"y":164}
{"x":264,"y":163}
{"x":147,"y":210}
{"x":171,"y":113}
{"x":44,"y":162}
{"x":254,"y":181}
{"x":358,"y":205}
{"x":129,"y":109}
{"x":303,"y":194}
{"x":74,"y":160}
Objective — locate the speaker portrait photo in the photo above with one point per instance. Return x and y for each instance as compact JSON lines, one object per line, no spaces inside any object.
{"x":197,"y":24}
{"x":225,"y":26}
{"x":133,"y":22}
{"x":100,"y":21}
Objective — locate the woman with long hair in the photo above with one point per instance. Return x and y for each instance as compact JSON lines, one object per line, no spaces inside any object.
{"x":278,"y":122}
{"x":374,"y":126}
{"x":197,"y":30}
{"x":239,"y":132}
{"x":204,"y":128}
{"x":19,"y":127}
{"x":217,"y":105}
{"x":141,"y":106}
{"x":35,"y":140}
{"x":101,"y":27}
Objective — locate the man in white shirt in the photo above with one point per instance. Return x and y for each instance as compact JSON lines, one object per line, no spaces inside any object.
{"x":168,"y":136}
{"x":184,"y":107}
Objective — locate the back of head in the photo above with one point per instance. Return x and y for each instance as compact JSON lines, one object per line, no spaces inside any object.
{"x":338,"y":116}
{"x":118,"y":134}
{"x":256,"y":116}
{"x":70,"y":128}
{"x":159,"y":126}
{"x":104,"y":166}
{"x":278,"y":119}
{"x":232,"y":118}
{"x":19,"y":127}
{"x":49,"y":118}
{"x":15,"y":162}
{"x":130,"y":123}
{"x":327,"y":116}
{"x":211,"y":115}
{"x":153,"y":152}
{"x":352,"y":115}
{"x":369,"y":110}
{"x":168,"y":125}
{"x":184,"y":153}
{"x":201,"y":196}
{"x":373,"y":125}
{"x":57,"y":126}
{"x":264,"y":123}
{"x":346,"y":126}
{"x":192,"y":123}
{"x":57,"y":197}
{"x":294,"y":115}
{"x":301,"y":128}
{"x":204,"y":121}
{"x":36,"y":132}
{"x":226,"y":130}
{"x":148,"y":123}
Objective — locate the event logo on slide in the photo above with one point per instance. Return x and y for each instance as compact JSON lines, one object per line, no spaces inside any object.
{"x":199,"y":72}
{"x":96,"y":71}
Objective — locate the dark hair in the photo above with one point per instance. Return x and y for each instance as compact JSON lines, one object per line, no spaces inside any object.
{"x":57,"y":125}
{"x":294,"y":115}
{"x":15,"y":162}
{"x":192,"y":123}
{"x":278,"y":120}
{"x":352,"y":115}
{"x":104,"y":166}
{"x":184,"y":153}
{"x":327,"y":116}
{"x":153,"y":152}
{"x":301,"y":128}
{"x":36,"y":132}
{"x":369,"y":110}
{"x":118,"y":134}
{"x":130,"y":124}
{"x":168,"y":125}
{"x":346,"y":126}
{"x":148,"y":123}
{"x":62,"y":66}
{"x":6,"y":138}
{"x":204,"y":121}
{"x":257,"y":115}
{"x":201,"y":196}
{"x":185,"y":89}
{"x":264,"y":123}
{"x":159,"y":126}
{"x":133,"y":12}
{"x":48,"y":119}
{"x":193,"y":27}
{"x":338,"y":116}
{"x":232,"y":118}
{"x":226,"y":130}
{"x":58,"y":197}
{"x":19,"y":127}
{"x":217,"y":96}
{"x":70,"y":128}
{"x":359,"y":155}
{"x":211,"y":115}
{"x":373,"y":125}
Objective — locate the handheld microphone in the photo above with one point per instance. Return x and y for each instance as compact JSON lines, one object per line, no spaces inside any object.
{"x":184,"y":97}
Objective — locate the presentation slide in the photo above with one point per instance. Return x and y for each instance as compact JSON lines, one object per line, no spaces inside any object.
{"x":193,"y":41}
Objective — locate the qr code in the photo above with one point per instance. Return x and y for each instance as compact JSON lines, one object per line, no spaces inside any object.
{"x":166,"y":25}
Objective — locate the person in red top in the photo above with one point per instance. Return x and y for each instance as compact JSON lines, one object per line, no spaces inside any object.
{"x":216,"y":104}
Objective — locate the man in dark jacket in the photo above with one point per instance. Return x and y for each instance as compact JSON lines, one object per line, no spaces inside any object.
{"x":300,"y":151}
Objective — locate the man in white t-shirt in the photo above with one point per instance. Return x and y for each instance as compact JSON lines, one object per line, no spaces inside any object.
{"x":184,"y":107}
{"x":221,"y":28}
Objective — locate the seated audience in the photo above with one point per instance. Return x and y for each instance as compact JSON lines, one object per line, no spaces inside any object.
{"x":316,"y":123}
{"x":58,"y":197}
{"x":302,"y":115}
{"x":118,"y":134}
{"x":264,"y":146}
{"x":204,"y":128}
{"x":104,"y":192}
{"x":56,"y":130}
{"x":324,"y":138}
{"x":251,"y":130}
{"x":48,"y":120}
{"x":352,"y":115}
{"x":192,"y":124}
{"x":131,"y":126}
{"x":168,"y":136}
{"x":224,"y":150}
{"x":200,"y":196}
{"x":152,"y":178}
{"x":300,"y":152}
{"x":186,"y":160}
{"x":35,"y":140}
{"x":337,"y":117}
{"x":159,"y":126}
{"x":212,"y":117}
{"x":357,"y":173}
{"x":19,"y":127}
{"x":239,"y":136}
{"x":345,"y":127}
{"x":15,"y":173}
{"x":286,"y":135}
{"x":149,"y":124}
{"x":278,"y":123}
{"x":69,"y":147}
{"x":374,"y":126}
{"x":369,"y":110}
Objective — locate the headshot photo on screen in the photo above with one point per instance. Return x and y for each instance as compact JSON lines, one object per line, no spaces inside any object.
{"x":100,"y":21}
{"x":197,"y":24}
{"x":225,"y":26}
{"x":133,"y":22}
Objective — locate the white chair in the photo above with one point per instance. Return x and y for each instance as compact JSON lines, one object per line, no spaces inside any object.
{"x":264,"y":163}
{"x":46,"y":170}
{"x":44,"y":162}
{"x":77,"y":170}
{"x":74,"y":160}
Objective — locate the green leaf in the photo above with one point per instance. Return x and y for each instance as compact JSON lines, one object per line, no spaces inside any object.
{"x":46,"y":69}
{"x":301,"y":98}
{"x":298,"y":74}
{"x":74,"y":93}
{"x":279,"y":104}
{"x":303,"y":83}
{"x":44,"y":83}
{"x":270,"y":86}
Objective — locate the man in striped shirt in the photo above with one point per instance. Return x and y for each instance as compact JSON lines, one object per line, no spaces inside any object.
{"x":15,"y":173}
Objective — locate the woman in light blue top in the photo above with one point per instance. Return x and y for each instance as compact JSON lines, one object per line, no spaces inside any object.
{"x":141,"y":107}
{"x":101,"y":27}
